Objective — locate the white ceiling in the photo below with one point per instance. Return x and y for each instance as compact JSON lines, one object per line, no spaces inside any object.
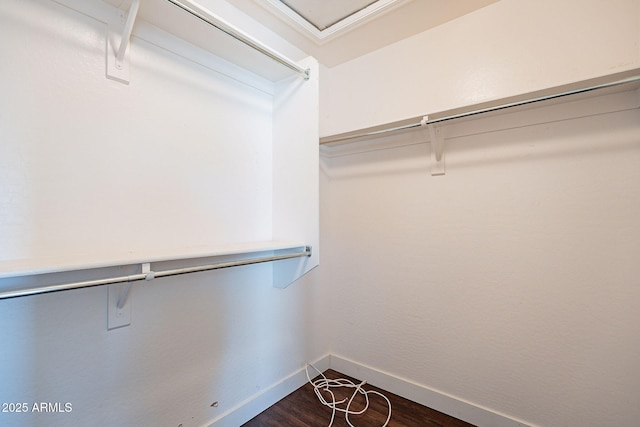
{"x":379,"y":24}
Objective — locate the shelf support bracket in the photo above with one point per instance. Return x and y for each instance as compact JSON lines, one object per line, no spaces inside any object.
{"x":149,"y":275}
{"x":119,"y":302}
{"x":437,"y":147}
{"x":118,"y":38}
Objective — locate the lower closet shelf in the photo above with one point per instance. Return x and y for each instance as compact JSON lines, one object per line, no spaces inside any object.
{"x":227,"y":257}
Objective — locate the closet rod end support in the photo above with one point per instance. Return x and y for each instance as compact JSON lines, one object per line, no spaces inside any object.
{"x":437,"y":147}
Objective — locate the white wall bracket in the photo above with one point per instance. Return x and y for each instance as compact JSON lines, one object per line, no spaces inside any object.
{"x":118,"y":37}
{"x":437,"y":147}
{"x":119,"y":300}
{"x":117,"y":317}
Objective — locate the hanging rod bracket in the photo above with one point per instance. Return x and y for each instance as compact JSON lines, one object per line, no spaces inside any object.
{"x":118,"y":38}
{"x":119,"y":300}
{"x":437,"y":146}
{"x":146,"y":270}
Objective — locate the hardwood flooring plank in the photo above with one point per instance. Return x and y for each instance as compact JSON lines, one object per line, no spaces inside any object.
{"x":303,"y":409}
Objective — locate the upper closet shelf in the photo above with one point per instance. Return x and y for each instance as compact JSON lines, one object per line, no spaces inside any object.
{"x":436,"y":128}
{"x":202,"y":28}
{"x":622,"y":81}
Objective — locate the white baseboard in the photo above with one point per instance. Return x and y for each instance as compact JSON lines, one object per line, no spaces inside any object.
{"x":434,"y":399}
{"x":257,"y":403}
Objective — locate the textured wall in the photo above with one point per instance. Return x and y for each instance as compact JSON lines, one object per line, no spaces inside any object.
{"x":95,"y":166}
{"x":510,"y":282}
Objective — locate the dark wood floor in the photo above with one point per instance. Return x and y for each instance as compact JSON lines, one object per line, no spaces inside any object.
{"x":303,"y":409}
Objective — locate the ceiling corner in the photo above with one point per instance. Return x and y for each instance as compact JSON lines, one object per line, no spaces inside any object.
{"x":351,"y":20}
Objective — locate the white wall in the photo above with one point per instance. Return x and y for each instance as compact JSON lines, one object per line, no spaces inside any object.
{"x":507,"y":48}
{"x":511,"y":282}
{"x":180,"y":157}
{"x":89,"y":155}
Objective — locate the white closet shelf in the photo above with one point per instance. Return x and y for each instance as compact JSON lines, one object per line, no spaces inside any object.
{"x":593,"y":87}
{"x":199,"y":26}
{"x":73,"y":262}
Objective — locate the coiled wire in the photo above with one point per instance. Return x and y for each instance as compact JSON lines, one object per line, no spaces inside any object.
{"x":324,"y":384}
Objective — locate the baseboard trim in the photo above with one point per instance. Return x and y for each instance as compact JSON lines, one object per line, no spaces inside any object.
{"x":434,"y":399}
{"x":426,"y":396}
{"x":257,"y":403}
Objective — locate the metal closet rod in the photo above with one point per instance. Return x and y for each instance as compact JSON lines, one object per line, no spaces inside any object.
{"x":338,"y":138}
{"x":238,"y":34}
{"x":150,"y":275}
